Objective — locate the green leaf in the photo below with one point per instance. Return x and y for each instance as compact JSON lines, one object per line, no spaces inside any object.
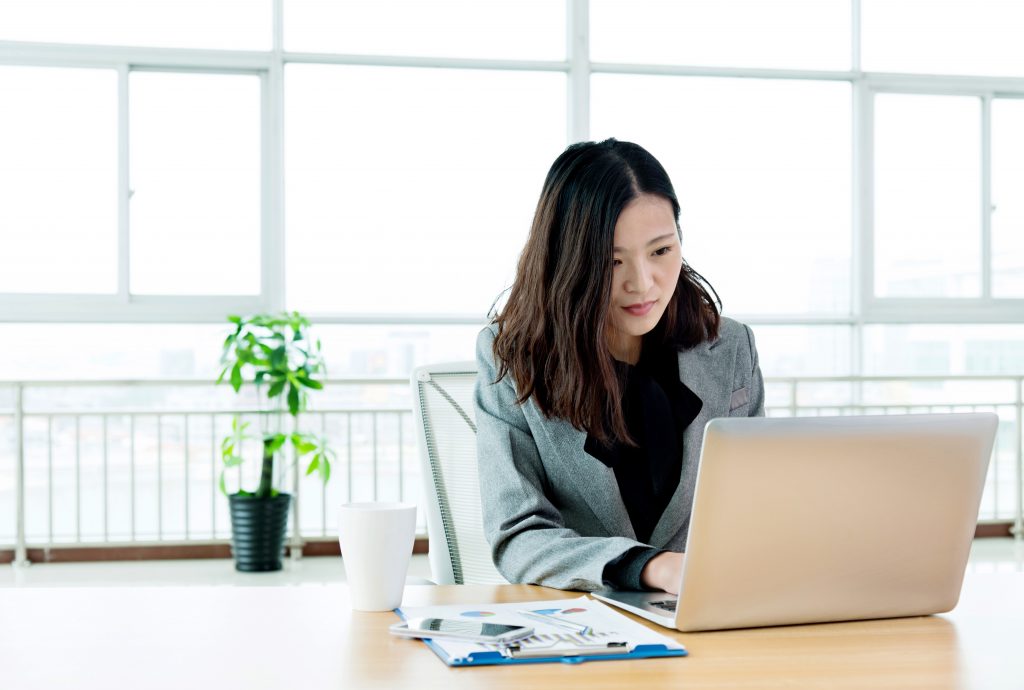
{"x":222,"y":373}
{"x":325,"y":469}
{"x":237,"y":320}
{"x":303,"y":447}
{"x":293,"y":400}
{"x":221,"y":484}
{"x":236,"y":376}
{"x":313,"y":464}
{"x":275,"y":388}
{"x":276,"y":444}
{"x":233,"y":460}
{"x":279,"y":358}
{"x":310,"y":383}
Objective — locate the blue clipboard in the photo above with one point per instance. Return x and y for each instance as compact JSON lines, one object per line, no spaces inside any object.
{"x":495,"y":658}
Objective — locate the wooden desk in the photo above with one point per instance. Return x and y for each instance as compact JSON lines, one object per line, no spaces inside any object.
{"x":307,"y":638}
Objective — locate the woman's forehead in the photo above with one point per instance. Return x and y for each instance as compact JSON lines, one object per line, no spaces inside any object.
{"x":646,"y":219}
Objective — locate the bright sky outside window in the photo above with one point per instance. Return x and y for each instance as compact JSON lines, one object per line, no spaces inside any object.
{"x":58,"y":180}
{"x":927,"y":196}
{"x":411,"y":191}
{"x":762,"y":170}
{"x":195,"y":176}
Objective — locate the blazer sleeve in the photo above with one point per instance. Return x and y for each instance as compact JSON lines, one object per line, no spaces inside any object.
{"x":756,"y":380}
{"x":529,"y":541}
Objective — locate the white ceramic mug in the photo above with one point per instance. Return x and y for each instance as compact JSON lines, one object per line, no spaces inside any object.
{"x":376,"y":543}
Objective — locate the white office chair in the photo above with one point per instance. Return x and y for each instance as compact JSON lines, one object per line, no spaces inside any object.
{"x":446,"y":434}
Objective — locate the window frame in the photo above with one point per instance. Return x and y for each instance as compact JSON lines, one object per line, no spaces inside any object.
{"x":865,"y":307}
{"x":982,"y":309}
{"x":122,"y":306}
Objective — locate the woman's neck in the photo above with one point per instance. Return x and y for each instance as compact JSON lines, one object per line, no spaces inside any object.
{"x":625,"y":348}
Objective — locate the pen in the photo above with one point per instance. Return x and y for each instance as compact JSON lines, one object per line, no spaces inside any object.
{"x":560,"y":622}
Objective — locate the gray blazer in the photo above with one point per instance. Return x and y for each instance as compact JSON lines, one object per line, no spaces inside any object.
{"x":552,"y":513}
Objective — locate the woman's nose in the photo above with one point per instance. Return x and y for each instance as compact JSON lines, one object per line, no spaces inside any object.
{"x":639,"y":279}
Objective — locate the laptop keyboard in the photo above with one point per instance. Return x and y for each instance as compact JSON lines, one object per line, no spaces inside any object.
{"x":665,"y":605}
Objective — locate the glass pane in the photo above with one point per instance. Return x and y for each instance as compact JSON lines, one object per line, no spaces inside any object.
{"x":394,"y":213}
{"x":791,"y":352}
{"x":927,"y":196}
{"x":226,"y":24}
{"x":394,"y":351}
{"x":523,"y":29}
{"x":58,"y":180}
{"x":1007,"y":200}
{"x":60,"y":351}
{"x":195,"y":177}
{"x":761,"y":168}
{"x":803,"y":350}
{"x":807,"y":34}
{"x":944,"y":349}
{"x":952,"y":37}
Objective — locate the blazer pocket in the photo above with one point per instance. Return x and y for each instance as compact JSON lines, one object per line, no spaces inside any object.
{"x":739,"y":398}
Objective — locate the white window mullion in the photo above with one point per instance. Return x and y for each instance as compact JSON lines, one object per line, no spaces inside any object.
{"x":855,"y":36}
{"x":986,"y":196}
{"x":124,"y":192}
{"x":863,"y":206}
{"x":272,"y":245}
{"x":578,"y":47}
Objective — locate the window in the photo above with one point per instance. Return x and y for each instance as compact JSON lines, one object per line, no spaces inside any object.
{"x":927,"y":196}
{"x":520,"y":29}
{"x":58,"y":180}
{"x":980,"y":37}
{"x":807,"y":34}
{"x":761,"y":168}
{"x":849,"y":185}
{"x":195,"y":184}
{"x":411,"y":191}
{"x":378,"y":167}
{"x":222,"y":24}
{"x":1007,"y":201}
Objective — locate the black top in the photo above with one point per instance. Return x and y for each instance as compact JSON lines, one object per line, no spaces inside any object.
{"x":658,"y":408}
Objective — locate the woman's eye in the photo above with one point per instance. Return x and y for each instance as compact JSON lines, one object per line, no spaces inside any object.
{"x":616,"y":262}
{"x":663,"y":251}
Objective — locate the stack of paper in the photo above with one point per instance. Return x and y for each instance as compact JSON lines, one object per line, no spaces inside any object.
{"x":564,"y":630}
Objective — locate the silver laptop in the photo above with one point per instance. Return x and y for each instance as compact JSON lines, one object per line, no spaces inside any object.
{"x":808,"y":520}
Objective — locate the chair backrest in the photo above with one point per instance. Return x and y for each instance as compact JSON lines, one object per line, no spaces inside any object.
{"x":446,"y":434}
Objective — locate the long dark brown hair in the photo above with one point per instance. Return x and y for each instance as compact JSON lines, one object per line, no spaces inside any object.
{"x":552,"y":331}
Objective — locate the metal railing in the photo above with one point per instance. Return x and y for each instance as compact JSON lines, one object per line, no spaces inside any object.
{"x":134,"y":463}
{"x":116,"y":463}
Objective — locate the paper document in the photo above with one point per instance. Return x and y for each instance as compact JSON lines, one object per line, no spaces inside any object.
{"x":563,"y":629}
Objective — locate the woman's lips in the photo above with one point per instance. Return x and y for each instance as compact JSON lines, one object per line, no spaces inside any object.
{"x":639,"y":309}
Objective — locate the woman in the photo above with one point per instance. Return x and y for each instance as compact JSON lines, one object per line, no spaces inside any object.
{"x":596,"y":380}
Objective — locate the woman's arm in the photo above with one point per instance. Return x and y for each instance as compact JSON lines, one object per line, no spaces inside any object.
{"x":756,"y":380}
{"x":529,"y":540}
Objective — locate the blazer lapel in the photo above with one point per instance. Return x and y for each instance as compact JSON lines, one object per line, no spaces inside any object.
{"x":696,"y":372}
{"x":590,"y":479}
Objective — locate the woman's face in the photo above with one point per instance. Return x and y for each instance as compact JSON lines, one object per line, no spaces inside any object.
{"x":647,"y":260}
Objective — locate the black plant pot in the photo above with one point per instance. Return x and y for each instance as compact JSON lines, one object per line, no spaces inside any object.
{"x":257,"y":531}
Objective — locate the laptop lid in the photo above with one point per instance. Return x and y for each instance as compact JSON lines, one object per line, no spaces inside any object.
{"x":802,"y":520}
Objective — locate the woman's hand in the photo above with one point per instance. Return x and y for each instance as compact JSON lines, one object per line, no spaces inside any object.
{"x":663,"y":572}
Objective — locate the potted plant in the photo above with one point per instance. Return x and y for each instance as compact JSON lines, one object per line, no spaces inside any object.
{"x":273,"y":353}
